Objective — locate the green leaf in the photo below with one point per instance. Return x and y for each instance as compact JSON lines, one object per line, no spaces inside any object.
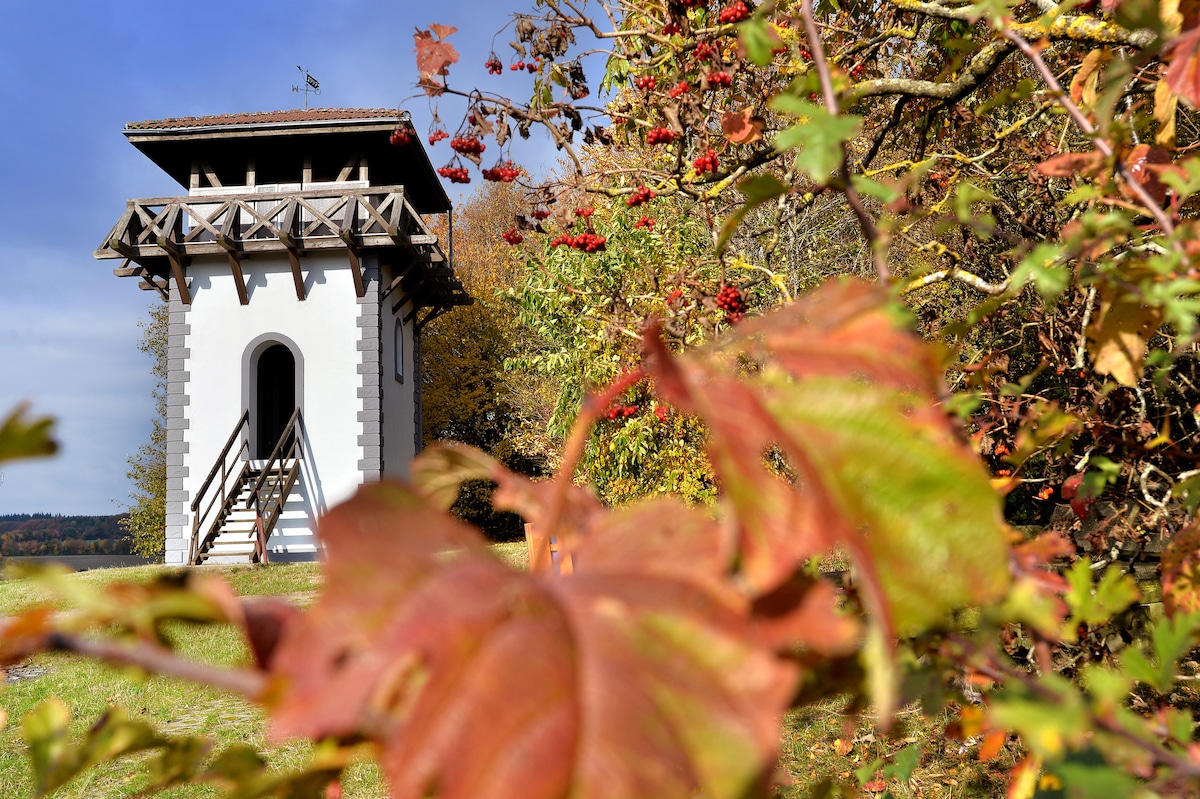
{"x":22,"y":437}
{"x":1170,"y":638}
{"x":904,"y":763}
{"x":1115,"y":592}
{"x":819,"y":135}
{"x":1042,"y":266}
{"x":1047,"y":727}
{"x":758,"y":189}
{"x":1085,"y":775}
{"x":873,"y":188}
{"x":758,"y":39}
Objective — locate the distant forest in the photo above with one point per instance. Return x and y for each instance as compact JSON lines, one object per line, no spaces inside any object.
{"x":28,"y":534}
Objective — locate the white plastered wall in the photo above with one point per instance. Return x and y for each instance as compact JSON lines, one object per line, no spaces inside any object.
{"x":399,"y":403}
{"x":324,"y":331}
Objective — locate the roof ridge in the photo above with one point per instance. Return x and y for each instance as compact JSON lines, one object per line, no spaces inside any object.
{"x":263,"y":117}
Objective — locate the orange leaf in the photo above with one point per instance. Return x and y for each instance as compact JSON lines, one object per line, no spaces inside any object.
{"x":1118,"y":338}
{"x":1183,"y":76}
{"x":875,"y":786}
{"x":993,"y":744}
{"x":742,"y":127}
{"x":1067,"y":164}
{"x":1083,"y":85}
{"x":1181,"y":572}
{"x":1143,"y":164}
{"x":433,"y":59}
{"x":628,"y":678}
{"x":442,"y":31}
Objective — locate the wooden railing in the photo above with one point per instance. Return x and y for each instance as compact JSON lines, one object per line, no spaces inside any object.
{"x":222,"y":467}
{"x":268,"y":505}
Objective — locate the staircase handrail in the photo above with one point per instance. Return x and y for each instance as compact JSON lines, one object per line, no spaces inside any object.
{"x":281,"y":487}
{"x":276,"y":454}
{"x":222,"y":466}
{"x":222,"y":458}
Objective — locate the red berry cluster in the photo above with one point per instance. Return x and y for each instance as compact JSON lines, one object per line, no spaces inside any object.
{"x":661,"y":412}
{"x":734,"y":12}
{"x":660,"y":136}
{"x":721,"y":78}
{"x":455,"y":174}
{"x":729,"y":300}
{"x":494,"y":67}
{"x":620,"y":412}
{"x":682,"y":88}
{"x":640,"y":195}
{"x":400,"y":137}
{"x":437,"y":136}
{"x":585,"y":212}
{"x":502,"y":173}
{"x":647,"y":82}
{"x":531,"y":66}
{"x":513,"y":236}
{"x":467,"y":145}
{"x":807,"y":56}
{"x":856,"y":71}
{"x":704,"y":52}
{"x":670,"y":28}
{"x":707,"y":162}
{"x":645,"y":222}
{"x":693,"y":3}
{"x":540,"y":214}
{"x":588,"y":242}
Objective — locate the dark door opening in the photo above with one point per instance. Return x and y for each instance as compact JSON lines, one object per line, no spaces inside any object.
{"x":276,"y":396}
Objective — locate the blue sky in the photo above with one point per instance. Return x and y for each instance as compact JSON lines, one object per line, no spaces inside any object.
{"x":71,"y":76}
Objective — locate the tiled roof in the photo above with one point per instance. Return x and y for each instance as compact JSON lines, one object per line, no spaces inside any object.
{"x":266,"y":118}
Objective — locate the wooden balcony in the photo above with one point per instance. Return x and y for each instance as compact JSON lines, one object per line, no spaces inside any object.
{"x":157,"y":239}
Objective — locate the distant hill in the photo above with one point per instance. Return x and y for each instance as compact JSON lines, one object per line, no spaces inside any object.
{"x":41,"y":534}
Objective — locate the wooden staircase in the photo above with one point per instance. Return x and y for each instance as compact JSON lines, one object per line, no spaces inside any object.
{"x":247,"y":500}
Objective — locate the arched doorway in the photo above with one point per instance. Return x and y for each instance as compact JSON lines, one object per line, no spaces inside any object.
{"x":275,"y":395}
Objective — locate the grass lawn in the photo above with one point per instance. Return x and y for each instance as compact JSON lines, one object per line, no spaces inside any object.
{"x":808,"y":749}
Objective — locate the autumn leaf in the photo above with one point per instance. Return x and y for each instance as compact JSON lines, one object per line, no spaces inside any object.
{"x":1143,"y":164}
{"x":1083,"y":85}
{"x":1118,"y":337}
{"x":1065,"y":165}
{"x":742,"y":127}
{"x":434,"y":57}
{"x":1181,"y":572}
{"x":1183,"y":76}
{"x":629,"y":678}
{"x":846,"y":393}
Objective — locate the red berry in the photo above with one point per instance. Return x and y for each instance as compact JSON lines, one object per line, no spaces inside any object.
{"x":729,"y":300}
{"x":646,"y":82}
{"x":661,"y":412}
{"x":437,"y":136}
{"x":682,"y":88}
{"x":721,"y":78}
{"x":640,"y":195}
{"x":645,"y":222}
{"x":513,"y":237}
{"x":400,"y":137}
{"x":660,"y":136}
{"x":585,"y":212}
{"x":707,"y":162}
{"x":670,"y":28}
{"x":494,"y":67}
{"x":734,"y":12}
{"x":541,"y":213}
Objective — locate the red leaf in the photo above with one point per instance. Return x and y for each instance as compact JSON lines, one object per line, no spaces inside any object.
{"x":1143,"y":163}
{"x":1067,"y":164}
{"x":1181,"y":572}
{"x":442,"y":31}
{"x":742,"y":127}
{"x":628,"y":678}
{"x":433,"y":58}
{"x":1183,"y":76}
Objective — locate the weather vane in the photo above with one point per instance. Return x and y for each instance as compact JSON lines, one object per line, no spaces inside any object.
{"x":310,"y":85}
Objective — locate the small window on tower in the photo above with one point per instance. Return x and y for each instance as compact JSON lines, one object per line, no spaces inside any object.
{"x":399,"y":348}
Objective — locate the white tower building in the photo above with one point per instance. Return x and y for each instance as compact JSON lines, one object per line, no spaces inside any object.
{"x":300,"y":272}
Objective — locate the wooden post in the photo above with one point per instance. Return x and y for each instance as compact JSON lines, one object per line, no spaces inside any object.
{"x":543,"y":551}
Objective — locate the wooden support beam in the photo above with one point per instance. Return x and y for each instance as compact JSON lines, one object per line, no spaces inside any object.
{"x":150,"y":284}
{"x":429,"y":317}
{"x":180,"y":279}
{"x":297,"y":275}
{"x":356,"y":271}
{"x":239,"y":280}
{"x":213,"y":180}
{"x":194,"y":183}
{"x":250,"y":172}
{"x":306,"y":177}
{"x":349,"y":168}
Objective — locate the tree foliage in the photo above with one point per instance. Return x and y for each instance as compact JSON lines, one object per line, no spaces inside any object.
{"x":147,"y":517}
